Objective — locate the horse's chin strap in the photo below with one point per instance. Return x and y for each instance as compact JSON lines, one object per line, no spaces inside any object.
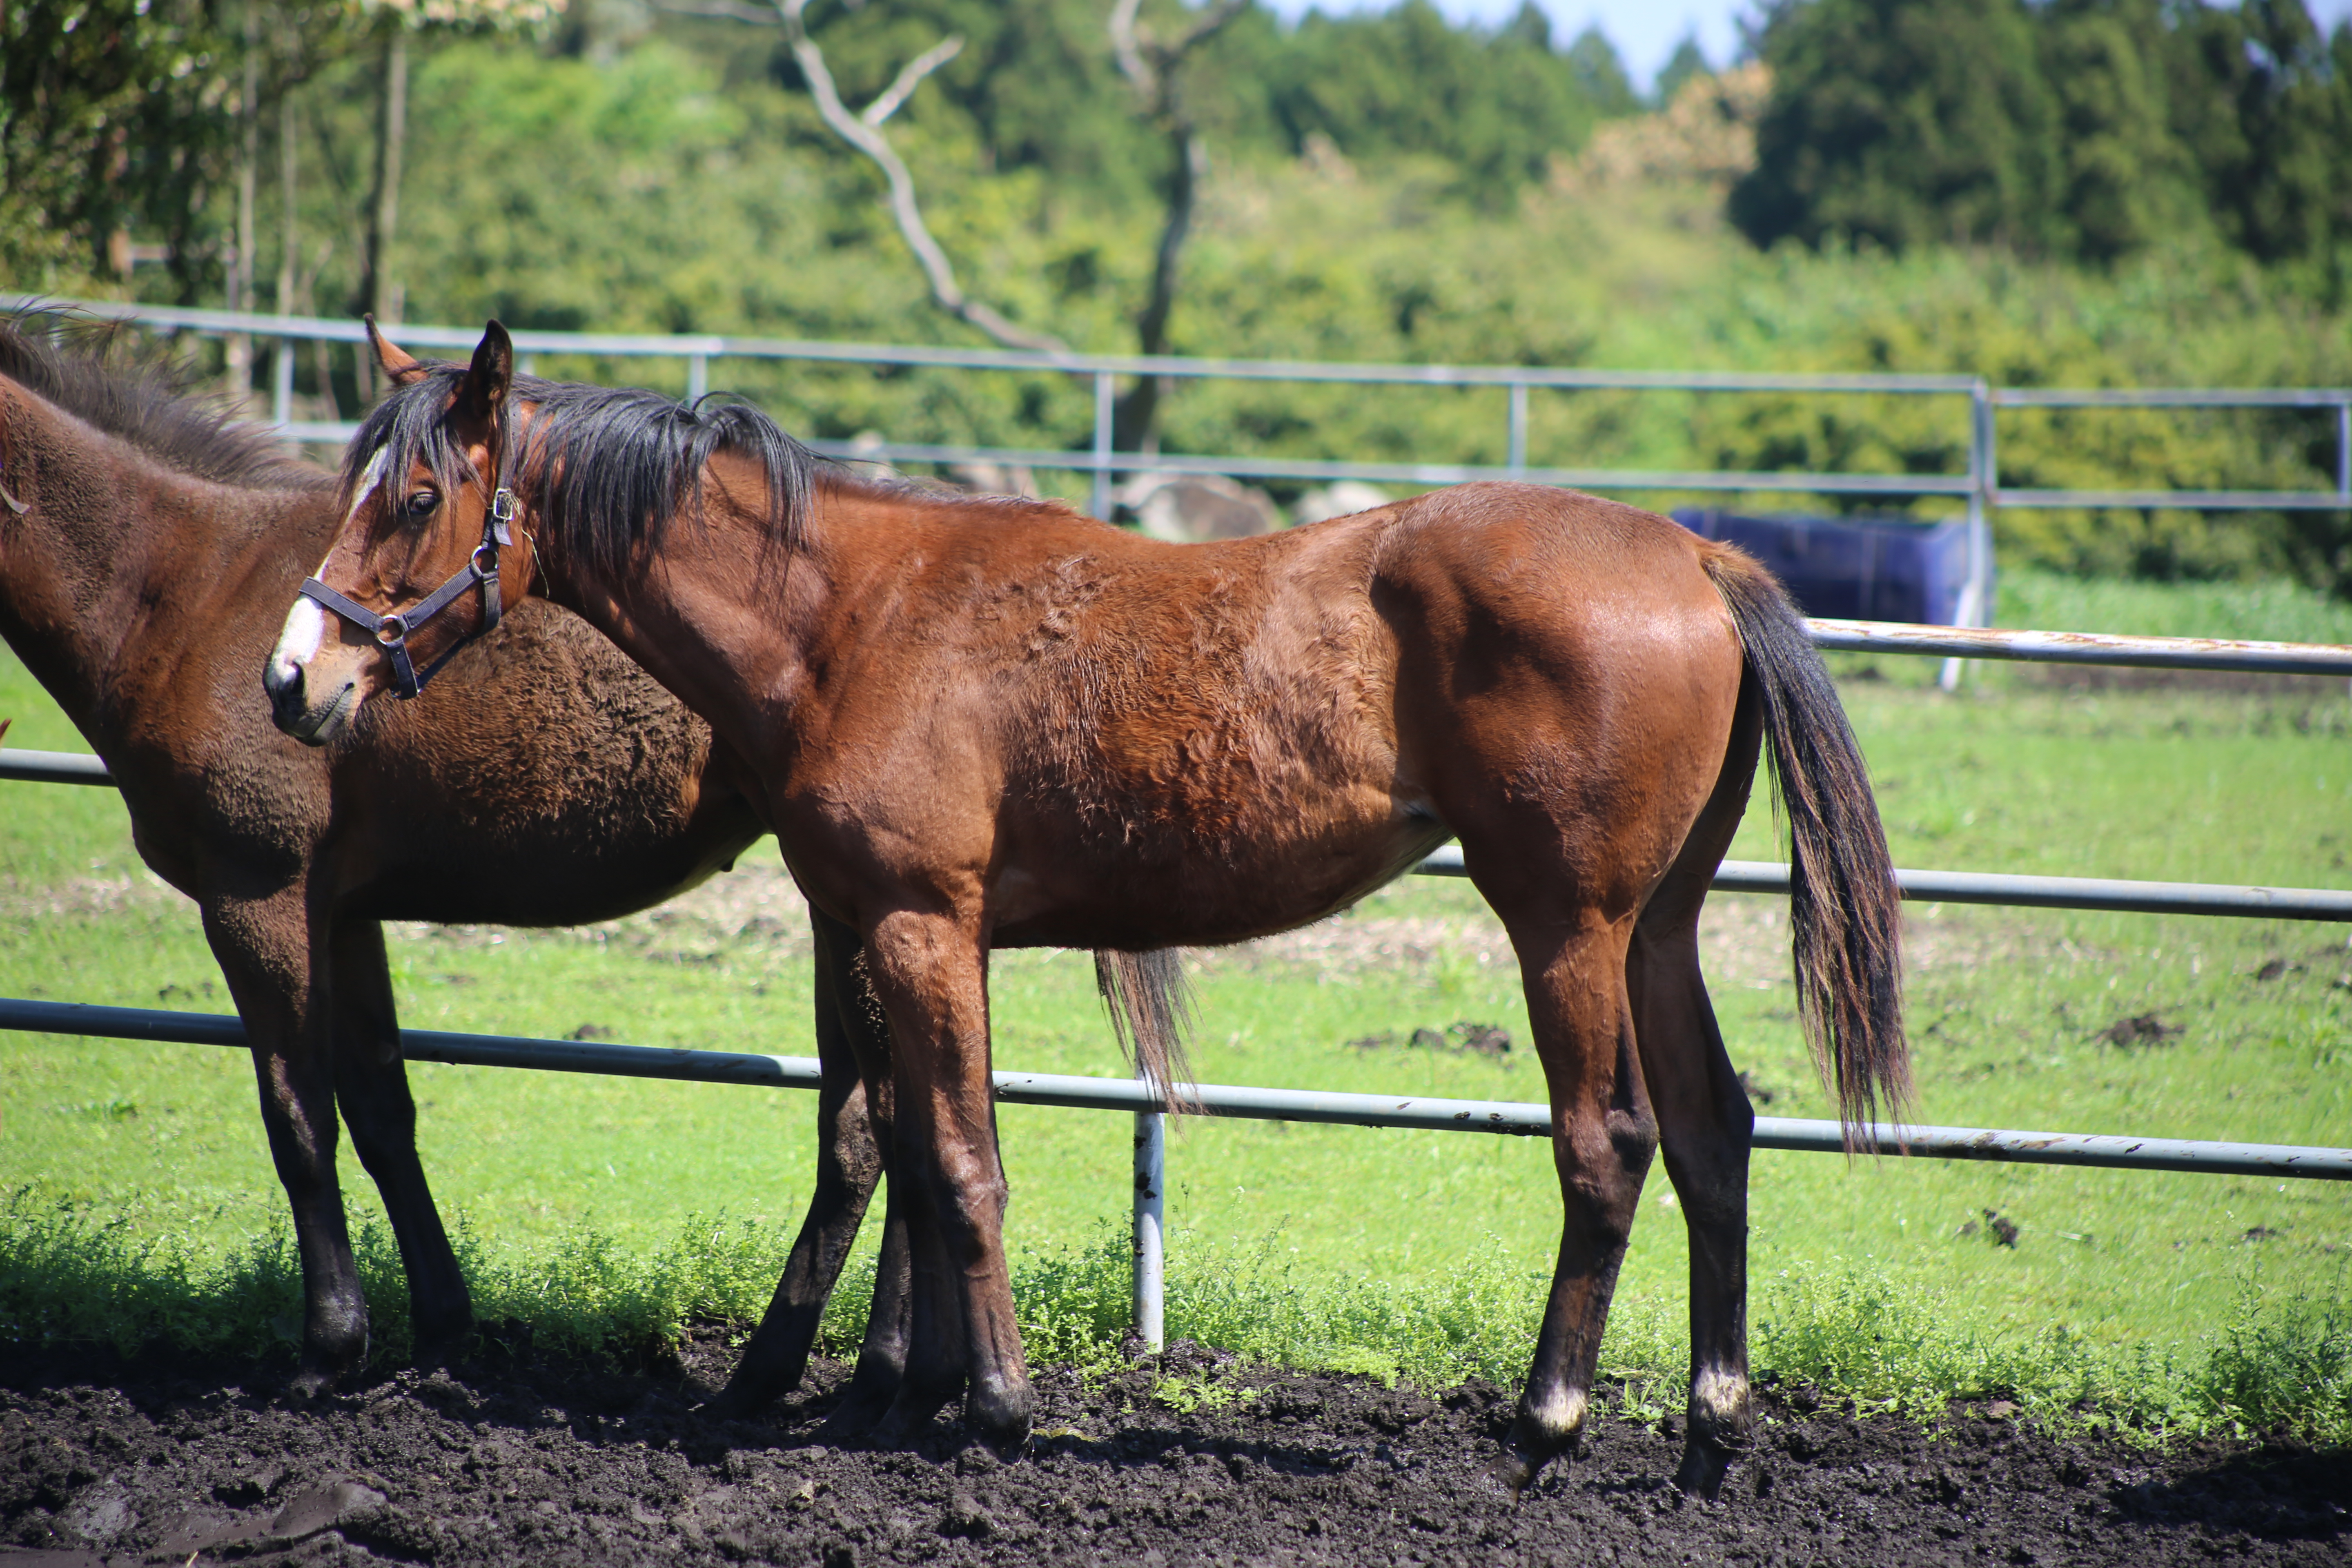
{"x":391,"y":630}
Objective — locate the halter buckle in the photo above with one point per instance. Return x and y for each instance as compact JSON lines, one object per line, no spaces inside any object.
{"x":503,"y":511}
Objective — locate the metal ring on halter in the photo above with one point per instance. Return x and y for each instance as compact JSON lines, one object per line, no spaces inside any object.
{"x":475,"y":560}
{"x":395,"y":625}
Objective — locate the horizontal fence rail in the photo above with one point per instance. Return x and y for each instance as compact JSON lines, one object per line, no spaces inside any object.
{"x":2102,"y":648}
{"x":54,"y":767}
{"x":1979,"y":487}
{"x":1227,"y":1101}
{"x":2030,"y":892}
{"x":1732,"y":876}
{"x":1980,"y":484}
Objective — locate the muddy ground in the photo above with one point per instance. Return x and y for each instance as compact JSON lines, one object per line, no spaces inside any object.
{"x":532,"y":1461}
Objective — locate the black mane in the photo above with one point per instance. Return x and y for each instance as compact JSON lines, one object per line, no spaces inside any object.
{"x":604,"y":470}
{"x":86,"y":366}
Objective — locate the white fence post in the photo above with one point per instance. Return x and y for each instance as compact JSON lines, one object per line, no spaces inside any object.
{"x":1098,"y":504}
{"x":1150,"y":1255}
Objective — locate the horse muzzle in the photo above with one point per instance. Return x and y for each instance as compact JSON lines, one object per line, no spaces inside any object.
{"x":314,"y":684}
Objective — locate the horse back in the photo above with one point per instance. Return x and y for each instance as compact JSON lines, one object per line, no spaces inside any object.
{"x":1151,"y":718}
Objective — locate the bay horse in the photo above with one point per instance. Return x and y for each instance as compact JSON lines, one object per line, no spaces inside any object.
{"x":145,"y":545}
{"x":994,"y":724}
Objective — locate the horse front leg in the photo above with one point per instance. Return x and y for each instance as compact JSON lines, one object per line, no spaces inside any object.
{"x":929,"y":973}
{"x":1603,"y":1135}
{"x":273,"y":957}
{"x":371,"y":1091}
{"x":853,"y":1135}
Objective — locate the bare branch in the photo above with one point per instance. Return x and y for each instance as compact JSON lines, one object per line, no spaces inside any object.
{"x":1156,"y":70}
{"x":1146,"y":62}
{"x":727,"y":10}
{"x":922,"y":65}
{"x":1123,"y":44}
{"x":865,"y":134}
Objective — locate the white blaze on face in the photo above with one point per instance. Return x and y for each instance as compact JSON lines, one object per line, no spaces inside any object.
{"x":305,"y":623}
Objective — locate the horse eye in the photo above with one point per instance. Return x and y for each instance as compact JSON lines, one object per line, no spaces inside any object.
{"x":424,"y":503}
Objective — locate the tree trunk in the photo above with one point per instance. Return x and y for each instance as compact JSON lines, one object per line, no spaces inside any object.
{"x":248,"y":160}
{"x":290,"y":238}
{"x":288,"y":242}
{"x":1135,"y":421}
{"x":380,"y":293}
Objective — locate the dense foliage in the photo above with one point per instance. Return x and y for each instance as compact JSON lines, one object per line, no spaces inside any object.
{"x":2087,"y":128}
{"x":2086,"y":193}
{"x":109,"y":112}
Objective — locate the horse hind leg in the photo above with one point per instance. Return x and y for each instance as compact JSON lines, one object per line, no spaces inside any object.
{"x":1603,"y":1135}
{"x":882,"y":1355}
{"x":1704,"y":1123}
{"x":372,"y":1090}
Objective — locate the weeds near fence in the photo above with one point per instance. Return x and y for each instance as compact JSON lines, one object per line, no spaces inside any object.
{"x":2282,"y":1364}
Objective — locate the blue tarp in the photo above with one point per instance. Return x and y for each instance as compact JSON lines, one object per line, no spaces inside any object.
{"x":1861,"y":569}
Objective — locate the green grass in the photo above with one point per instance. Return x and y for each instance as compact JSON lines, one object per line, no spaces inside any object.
{"x":2173,"y":1302}
{"x":2265,"y":609}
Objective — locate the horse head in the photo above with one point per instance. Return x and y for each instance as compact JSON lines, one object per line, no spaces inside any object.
{"x":428,"y":553}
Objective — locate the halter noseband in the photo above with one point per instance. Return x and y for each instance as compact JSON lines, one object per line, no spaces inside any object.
{"x":391,"y":630}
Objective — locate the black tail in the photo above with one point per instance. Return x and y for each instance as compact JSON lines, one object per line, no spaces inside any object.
{"x":1150,"y":1007}
{"x":1844,"y":909}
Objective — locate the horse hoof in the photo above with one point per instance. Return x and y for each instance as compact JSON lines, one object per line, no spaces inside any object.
{"x":439,"y":1347}
{"x":1703,"y":1468}
{"x":1514,"y":1472}
{"x":1525,"y":1456}
{"x":733,"y":1403}
{"x":310,"y":1384}
{"x":998,"y":1415}
{"x":896,"y":1431}
{"x":872,"y":1390}
{"x":909,"y":1418}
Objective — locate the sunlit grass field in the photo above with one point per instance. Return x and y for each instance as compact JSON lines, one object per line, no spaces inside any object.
{"x":2012,"y":1016}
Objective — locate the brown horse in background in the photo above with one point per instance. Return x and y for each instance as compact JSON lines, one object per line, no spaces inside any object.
{"x":982,"y":724}
{"x":147,"y":548}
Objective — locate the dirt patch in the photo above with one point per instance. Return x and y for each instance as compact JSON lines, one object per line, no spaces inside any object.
{"x":81,"y":897}
{"x":2101,"y":677}
{"x":2139,"y":1030}
{"x":543,"y":1462}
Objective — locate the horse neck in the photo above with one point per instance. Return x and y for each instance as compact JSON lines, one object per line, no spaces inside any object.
{"x":113,"y":543}
{"x":721,"y":617}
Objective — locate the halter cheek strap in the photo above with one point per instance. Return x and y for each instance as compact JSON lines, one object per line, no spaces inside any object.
{"x":481,"y":569}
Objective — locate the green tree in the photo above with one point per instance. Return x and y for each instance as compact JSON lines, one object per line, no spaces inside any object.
{"x":2123,"y":178}
{"x":1688,"y":60}
{"x":1406,"y":82}
{"x":110,"y":122}
{"x":2259,"y":100}
{"x":2091,"y":128}
{"x":1902,"y":122}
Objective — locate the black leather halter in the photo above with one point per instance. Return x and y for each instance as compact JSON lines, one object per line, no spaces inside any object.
{"x":391,"y":630}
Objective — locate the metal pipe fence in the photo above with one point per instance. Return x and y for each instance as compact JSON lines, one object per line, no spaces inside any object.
{"x":1979,"y":486}
{"x":1146,"y":1103}
{"x":2101,"y":893}
{"x":1329,"y":1107}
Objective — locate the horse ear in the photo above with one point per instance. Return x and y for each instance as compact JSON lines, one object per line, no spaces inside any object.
{"x":400,"y":367}
{"x":491,"y":374}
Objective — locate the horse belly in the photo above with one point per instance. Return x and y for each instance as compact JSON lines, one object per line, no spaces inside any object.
{"x":1167,"y":881}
